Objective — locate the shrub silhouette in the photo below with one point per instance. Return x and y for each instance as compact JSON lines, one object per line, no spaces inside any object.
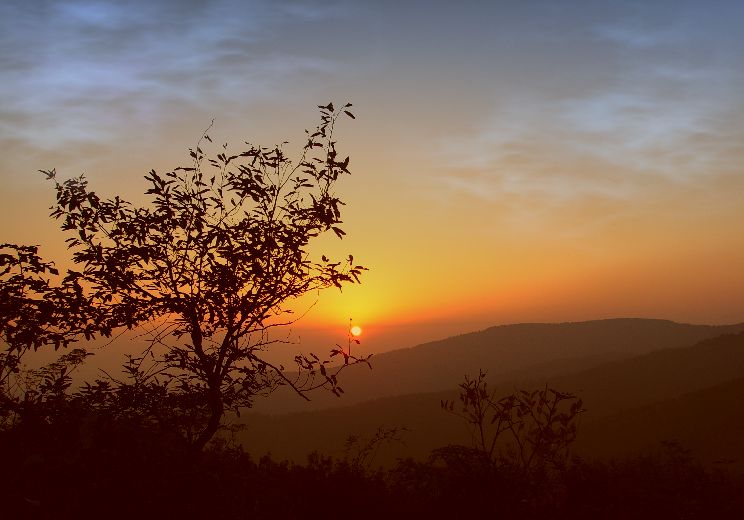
{"x":360,"y":451}
{"x":539,"y":425}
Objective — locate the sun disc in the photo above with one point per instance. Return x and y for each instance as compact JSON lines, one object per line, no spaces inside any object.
{"x":356,"y":330}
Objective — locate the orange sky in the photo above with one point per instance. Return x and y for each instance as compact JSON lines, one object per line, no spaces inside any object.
{"x":516,"y":165}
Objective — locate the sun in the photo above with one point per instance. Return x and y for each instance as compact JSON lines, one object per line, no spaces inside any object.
{"x":356,"y":330}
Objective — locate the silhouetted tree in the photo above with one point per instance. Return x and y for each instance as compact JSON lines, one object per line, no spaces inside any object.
{"x":540,"y":424}
{"x":211,"y":262}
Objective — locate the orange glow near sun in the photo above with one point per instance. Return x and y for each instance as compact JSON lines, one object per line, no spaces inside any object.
{"x":356,"y":330}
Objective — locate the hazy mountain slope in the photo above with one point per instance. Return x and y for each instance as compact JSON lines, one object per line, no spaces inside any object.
{"x":293,"y":436}
{"x":607,"y":390}
{"x":656,"y":376}
{"x":710,"y":422}
{"x":523,"y":351}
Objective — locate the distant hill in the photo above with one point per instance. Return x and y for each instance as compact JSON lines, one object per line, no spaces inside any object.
{"x":657,"y":376}
{"x":710,"y":422}
{"x":510,"y":352}
{"x":692,"y":391}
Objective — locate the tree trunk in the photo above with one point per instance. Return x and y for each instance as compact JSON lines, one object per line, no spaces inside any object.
{"x":217,"y":409}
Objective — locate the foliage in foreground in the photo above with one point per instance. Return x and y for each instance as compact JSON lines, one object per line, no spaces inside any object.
{"x":87,"y":466}
{"x":122,"y":452}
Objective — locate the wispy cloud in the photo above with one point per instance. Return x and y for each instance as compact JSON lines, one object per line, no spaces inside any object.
{"x":635,"y":36}
{"x":77,"y":70}
{"x":660,"y":117}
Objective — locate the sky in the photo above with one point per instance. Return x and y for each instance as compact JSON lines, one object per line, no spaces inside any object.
{"x":511,"y":161}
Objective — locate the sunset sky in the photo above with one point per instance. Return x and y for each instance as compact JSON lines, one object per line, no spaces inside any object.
{"x":512,"y":160}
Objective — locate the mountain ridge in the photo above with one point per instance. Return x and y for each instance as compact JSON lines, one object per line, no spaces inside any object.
{"x":509,"y":350}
